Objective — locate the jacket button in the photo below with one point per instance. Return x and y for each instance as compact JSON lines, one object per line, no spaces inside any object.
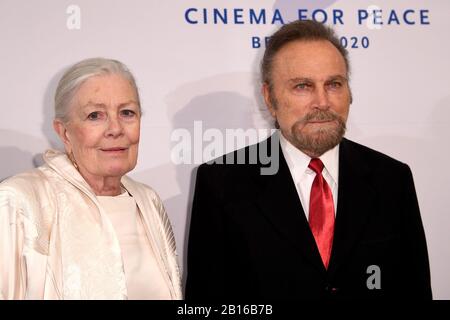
{"x":331,"y":289}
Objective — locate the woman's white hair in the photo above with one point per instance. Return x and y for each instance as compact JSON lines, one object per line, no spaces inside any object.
{"x":76,"y":75}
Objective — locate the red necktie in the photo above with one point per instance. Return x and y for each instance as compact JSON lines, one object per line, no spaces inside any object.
{"x":321,"y":212}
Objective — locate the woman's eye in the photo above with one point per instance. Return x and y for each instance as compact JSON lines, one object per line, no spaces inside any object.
{"x":335,"y":84}
{"x":128,"y":113}
{"x":94,"y":115}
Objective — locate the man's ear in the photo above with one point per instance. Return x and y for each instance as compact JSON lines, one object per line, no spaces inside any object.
{"x":63,"y":134}
{"x":267,"y":99}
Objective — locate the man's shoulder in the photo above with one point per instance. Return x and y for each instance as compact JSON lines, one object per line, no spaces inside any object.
{"x":370,"y":157}
{"x":251,"y":157}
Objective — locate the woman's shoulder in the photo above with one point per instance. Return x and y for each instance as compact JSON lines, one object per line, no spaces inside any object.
{"x":27,"y":193}
{"x":25,"y":183}
{"x":148,"y":198}
{"x":140,"y":188}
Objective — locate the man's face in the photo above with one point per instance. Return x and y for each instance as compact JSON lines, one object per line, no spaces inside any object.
{"x":310,"y":95}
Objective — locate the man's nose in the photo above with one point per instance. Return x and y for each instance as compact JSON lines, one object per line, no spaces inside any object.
{"x":321,"y":99}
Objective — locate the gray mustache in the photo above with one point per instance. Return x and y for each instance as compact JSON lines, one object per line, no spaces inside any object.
{"x":320,"y":116}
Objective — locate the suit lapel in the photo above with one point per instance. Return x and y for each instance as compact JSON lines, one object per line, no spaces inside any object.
{"x":355,"y":202}
{"x":280,"y":203}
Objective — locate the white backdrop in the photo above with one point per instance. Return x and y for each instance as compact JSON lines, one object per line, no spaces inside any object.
{"x":189,"y":69}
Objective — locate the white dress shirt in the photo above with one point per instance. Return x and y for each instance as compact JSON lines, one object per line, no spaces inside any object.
{"x":303,"y":176}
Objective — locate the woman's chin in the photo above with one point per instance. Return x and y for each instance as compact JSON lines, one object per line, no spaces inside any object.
{"x":117,"y":171}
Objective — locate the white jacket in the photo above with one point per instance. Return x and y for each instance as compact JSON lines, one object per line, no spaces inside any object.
{"x":56,"y":241}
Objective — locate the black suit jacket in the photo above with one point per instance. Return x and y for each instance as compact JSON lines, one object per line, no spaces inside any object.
{"x":249,"y":237}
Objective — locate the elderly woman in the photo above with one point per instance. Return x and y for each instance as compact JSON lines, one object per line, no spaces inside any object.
{"x":78,"y":227}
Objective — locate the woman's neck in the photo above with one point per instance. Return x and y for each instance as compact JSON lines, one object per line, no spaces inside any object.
{"x":103,"y":186}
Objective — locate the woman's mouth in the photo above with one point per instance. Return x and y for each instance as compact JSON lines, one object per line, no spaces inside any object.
{"x":114,"y":149}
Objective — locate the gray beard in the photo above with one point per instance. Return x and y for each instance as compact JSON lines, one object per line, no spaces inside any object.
{"x":322,"y":140}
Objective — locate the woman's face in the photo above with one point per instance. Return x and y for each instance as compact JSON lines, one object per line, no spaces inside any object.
{"x":103,"y":127}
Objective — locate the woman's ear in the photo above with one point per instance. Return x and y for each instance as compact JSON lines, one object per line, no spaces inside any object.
{"x":61,"y":130}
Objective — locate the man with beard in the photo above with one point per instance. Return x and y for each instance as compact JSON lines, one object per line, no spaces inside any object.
{"x":337,"y":220}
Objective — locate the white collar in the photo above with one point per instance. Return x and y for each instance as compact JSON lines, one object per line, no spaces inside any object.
{"x":298,"y":161}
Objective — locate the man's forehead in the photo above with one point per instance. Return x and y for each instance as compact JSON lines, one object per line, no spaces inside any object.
{"x":314,"y":72}
{"x":315,"y":78}
{"x":307,"y":46}
{"x":318,"y":51}
{"x":309,"y":59}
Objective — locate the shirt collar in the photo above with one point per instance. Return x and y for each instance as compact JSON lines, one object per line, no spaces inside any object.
{"x":298,"y":161}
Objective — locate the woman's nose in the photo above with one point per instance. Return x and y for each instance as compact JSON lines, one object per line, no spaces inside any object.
{"x":114,"y":126}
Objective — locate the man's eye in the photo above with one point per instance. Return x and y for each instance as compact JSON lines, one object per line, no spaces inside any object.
{"x":128,"y":113}
{"x":303,"y":86}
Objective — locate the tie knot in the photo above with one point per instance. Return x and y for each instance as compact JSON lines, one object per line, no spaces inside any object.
{"x":316,"y":165}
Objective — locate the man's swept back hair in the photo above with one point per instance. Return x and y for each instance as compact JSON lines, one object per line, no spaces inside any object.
{"x":304,"y":30}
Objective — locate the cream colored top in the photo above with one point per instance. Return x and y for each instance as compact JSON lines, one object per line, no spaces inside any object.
{"x":144,"y":278}
{"x":57,"y":241}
